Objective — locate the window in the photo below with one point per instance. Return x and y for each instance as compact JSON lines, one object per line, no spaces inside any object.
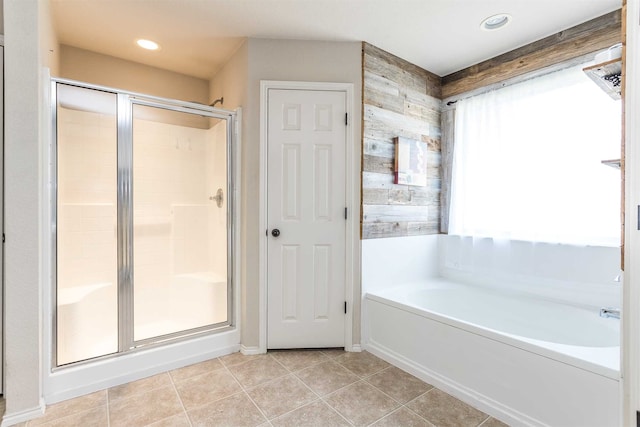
{"x":527,"y":162}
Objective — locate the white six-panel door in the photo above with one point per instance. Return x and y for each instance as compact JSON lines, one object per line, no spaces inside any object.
{"x":306,"y":137}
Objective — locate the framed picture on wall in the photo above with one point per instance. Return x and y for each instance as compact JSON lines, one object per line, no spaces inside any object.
{"x":410,"y":162}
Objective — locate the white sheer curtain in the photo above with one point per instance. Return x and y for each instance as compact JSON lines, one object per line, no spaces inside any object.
{"x":527,"y":165}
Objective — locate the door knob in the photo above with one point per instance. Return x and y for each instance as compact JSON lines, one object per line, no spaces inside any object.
{"x":275,"y":232}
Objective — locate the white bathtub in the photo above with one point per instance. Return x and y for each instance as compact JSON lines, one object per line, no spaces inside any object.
{"x":525,"y":360}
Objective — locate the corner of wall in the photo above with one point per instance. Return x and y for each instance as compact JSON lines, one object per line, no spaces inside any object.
{"x":50,"y":48}
{"x":25,"y":29}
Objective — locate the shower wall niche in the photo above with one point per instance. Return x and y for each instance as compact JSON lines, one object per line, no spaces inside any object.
{"x":142,"y":237}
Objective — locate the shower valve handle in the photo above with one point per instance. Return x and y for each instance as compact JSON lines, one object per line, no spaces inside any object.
{"x":275,"y":232}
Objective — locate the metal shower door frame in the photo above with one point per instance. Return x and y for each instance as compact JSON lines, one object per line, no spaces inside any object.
{"x":125,"y":286}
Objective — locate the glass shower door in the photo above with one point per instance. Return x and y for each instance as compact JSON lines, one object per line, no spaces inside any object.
{"x":86,"y":235}
{"x":142,"y":221}
{"x":179,"y":191}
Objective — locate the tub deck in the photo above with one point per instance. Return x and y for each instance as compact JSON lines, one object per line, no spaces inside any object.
{"x":523,"y":380}
{"x":588,"y":341}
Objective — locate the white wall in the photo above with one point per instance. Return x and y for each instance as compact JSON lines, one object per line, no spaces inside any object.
{"x":91,"y":67}
{"x":27,"y":45}
{"x":231,"y":82}
{"x":397,"y":260}
{"x":577,"y":274}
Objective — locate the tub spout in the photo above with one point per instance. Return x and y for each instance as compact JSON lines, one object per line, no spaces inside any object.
{"x":610,"y":312}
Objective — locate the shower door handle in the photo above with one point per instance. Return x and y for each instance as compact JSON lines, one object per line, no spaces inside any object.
{"x":275,"y":232}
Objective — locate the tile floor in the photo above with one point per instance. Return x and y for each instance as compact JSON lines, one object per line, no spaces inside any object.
{"x":282,"y":388}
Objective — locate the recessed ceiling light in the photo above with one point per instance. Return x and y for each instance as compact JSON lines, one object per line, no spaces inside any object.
{"x":495,"y":21}
{"x":147,"y":44}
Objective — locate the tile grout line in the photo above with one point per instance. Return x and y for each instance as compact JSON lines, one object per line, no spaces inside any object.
{"x":242,"y":386}
{"x":243,"y":390}
{"x":415,"y":413}
{"x":195,"y":408}
{"x":106,"y":392}
{"x":318,"y":397}
{"x":306,"y":367}
{"x":324,"y":398}
{"x":337,"y":412}
{"x":427,"y":392}
{"x":184,"y":410}
{"x":385,"y":416}
{"x":296,"y":408}
{"x":400,"y":405}
{"x":485,"y":420}
{"x":417,"y":397}
{"x":364,"y":379}
{"x":361,"y":380}
{"x":289,"y":373}
{"x":257,"y":407}
{"x":142,"y":391}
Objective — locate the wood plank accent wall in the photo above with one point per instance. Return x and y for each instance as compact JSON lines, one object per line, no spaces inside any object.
{"x":399,"y":99}
{"x":589,"y":37}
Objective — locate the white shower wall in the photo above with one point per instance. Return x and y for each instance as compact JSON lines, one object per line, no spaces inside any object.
{"x":217,"y":178}
{"x":86,"y":235}
{"x":86,"y":198}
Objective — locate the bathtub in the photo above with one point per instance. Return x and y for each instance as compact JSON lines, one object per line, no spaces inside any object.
{"x":522,"y":359}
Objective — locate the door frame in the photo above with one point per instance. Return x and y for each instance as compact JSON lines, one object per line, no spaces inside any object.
{"x":352,"y":192}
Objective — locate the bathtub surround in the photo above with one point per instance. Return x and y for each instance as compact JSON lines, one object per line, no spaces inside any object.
{"x":400,"y":99}
{"x":388,"y":262}
{"x":584,"y":275}
{"x":581,"y":275}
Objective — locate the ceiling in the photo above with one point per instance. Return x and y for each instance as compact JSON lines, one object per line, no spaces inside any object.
{"x":198,"y":36}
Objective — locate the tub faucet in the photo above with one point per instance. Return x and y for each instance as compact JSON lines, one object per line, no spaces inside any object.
{"x":610,"y":312}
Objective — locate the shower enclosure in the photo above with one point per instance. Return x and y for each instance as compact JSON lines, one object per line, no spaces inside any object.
{"x":142,"y":221}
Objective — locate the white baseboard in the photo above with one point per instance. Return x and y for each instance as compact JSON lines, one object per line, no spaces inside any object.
{"x":471,"y":397}
{"x":22,"y":416}
{"x":251,"y":350}
{"x":356,"y":348}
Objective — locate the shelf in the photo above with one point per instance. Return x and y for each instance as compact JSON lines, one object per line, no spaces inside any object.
{"x":608,"y":76}
{"x":615,"y":163}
